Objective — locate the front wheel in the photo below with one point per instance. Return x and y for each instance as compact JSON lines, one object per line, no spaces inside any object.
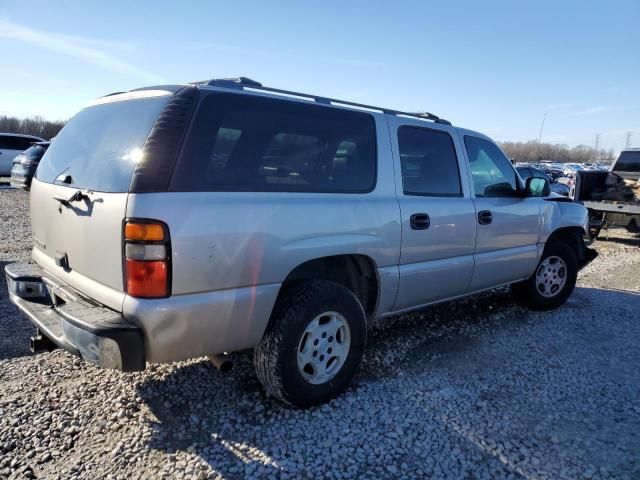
{"x":313,"y":344}
{"x":553,"y":281}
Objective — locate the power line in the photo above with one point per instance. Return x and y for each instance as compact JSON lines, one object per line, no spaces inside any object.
{"x":627,"y":143}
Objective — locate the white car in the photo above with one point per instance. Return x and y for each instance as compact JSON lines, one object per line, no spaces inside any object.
{"x":11,"y":145}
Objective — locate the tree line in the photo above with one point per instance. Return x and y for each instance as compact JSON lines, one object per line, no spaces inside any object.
{"x":37,"y":126}
{"x":533,"y":151}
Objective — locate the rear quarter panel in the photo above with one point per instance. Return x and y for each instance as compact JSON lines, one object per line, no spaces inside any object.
{"x":224,"y":240}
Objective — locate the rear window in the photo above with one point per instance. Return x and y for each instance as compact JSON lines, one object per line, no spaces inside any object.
{"x":34,"y":151}
{"x":10,"y":142}
{"x":628,"y":162}
{"x":100,"y":146}
{"x":250,"y":143}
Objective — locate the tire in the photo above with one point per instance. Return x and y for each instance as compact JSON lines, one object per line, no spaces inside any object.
{"x":313,"y":310}
{"x":529,"y":292}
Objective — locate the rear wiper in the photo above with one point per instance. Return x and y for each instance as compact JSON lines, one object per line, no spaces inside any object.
{"x":78,"y":196}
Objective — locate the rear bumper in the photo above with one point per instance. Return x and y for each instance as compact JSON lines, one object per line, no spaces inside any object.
{"x":95,"y":333}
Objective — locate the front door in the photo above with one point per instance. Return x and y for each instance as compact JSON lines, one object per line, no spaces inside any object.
{"x":438,"y":214}
{"x":508,"y":224}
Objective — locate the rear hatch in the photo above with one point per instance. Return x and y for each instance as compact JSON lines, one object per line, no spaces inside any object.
{"x":79,"y":195}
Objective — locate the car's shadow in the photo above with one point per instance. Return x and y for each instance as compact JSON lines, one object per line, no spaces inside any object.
{"x":222,"y":417}
{"x":631,"y":239}
{"x":16,"y":330}
{"x":198,"y":409}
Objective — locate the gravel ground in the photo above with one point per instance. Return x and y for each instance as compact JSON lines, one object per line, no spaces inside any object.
{"x":476,"y":389}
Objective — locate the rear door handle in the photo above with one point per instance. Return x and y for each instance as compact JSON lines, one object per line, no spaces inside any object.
{"x":420,"y":221}
{"x":485,"y":217}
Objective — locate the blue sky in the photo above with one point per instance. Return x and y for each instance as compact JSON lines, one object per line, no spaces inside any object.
{"x":494,"y":66}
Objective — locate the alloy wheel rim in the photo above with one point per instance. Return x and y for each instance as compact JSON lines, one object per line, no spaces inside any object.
{"x":323,"y":347}
{"x":551,"y":276}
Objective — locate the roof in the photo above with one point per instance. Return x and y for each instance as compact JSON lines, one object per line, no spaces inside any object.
{"x":251,"y":86}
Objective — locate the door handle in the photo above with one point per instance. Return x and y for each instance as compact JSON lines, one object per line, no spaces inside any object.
{"x":485,"y":217}
{"x":420,"y":221}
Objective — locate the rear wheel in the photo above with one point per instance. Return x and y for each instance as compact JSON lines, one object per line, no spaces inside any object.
{"x":313,"y":344}
{"x":553,"y":281}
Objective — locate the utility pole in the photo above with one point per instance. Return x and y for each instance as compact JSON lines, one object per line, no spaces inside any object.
{"x":597,"y":147}
{"x":541,"y":127}
{"x":627,"y":143}
{"x":540,"y":136}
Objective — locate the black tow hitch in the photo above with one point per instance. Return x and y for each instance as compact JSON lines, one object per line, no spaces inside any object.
{"x":42,"y":343}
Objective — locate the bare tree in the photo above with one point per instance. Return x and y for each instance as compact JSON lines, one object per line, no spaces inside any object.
{"x":37,"y":126}
{"x":533,"y":151}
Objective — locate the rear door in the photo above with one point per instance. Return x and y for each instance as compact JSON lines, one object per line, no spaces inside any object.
{"x":508,"y":224}
{"x":79,"y":242}
{"x":438,"y":215}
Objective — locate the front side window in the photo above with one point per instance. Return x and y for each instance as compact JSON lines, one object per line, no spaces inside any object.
{"x":248,"y":143}
{"x":524,"y":172}
{"x":491,"y":170}
{"x":428,"y":162}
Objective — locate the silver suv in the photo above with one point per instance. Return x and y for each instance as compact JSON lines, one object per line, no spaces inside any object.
{"x":179,"y":221}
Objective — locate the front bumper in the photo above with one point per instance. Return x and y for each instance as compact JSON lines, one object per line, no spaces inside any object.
{"x":73,"y":322}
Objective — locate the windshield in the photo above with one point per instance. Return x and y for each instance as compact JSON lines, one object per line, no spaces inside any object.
{"x":100,"y":146}
{"x":628,"y":162}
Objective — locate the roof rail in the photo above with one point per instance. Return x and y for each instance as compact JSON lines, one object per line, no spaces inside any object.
{"x":242,"y":83}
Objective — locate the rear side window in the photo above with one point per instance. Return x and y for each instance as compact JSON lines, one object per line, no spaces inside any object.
{"x":628,"y":162}
{"x":249,"y":143}
{"x":100,"y":146}
{"x":10,"y":142}
{"x":429,"y":163}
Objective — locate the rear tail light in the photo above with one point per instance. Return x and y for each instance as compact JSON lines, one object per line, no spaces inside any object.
{"x":147,"y":259}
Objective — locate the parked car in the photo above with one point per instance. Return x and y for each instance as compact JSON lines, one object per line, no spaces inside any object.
{"x":556,"y":187}
{"x":25,"y":164}
{"x":178,"y":221}
{"x":554,"y":173}
{"x":572,"y":168}
{"x":12,"y":144}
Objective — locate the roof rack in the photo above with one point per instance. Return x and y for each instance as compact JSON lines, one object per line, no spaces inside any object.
{"x":242,"y":83}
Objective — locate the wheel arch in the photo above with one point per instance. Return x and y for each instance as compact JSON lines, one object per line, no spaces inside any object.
{"x":356,"y":272}
{"x":573,"y":237}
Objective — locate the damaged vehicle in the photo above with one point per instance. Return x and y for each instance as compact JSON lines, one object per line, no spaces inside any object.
{"x":174,"y":222}
{"x":613,"y":197}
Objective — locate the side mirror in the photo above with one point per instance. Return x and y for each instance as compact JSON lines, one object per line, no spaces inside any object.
{"x":537,"y":187}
